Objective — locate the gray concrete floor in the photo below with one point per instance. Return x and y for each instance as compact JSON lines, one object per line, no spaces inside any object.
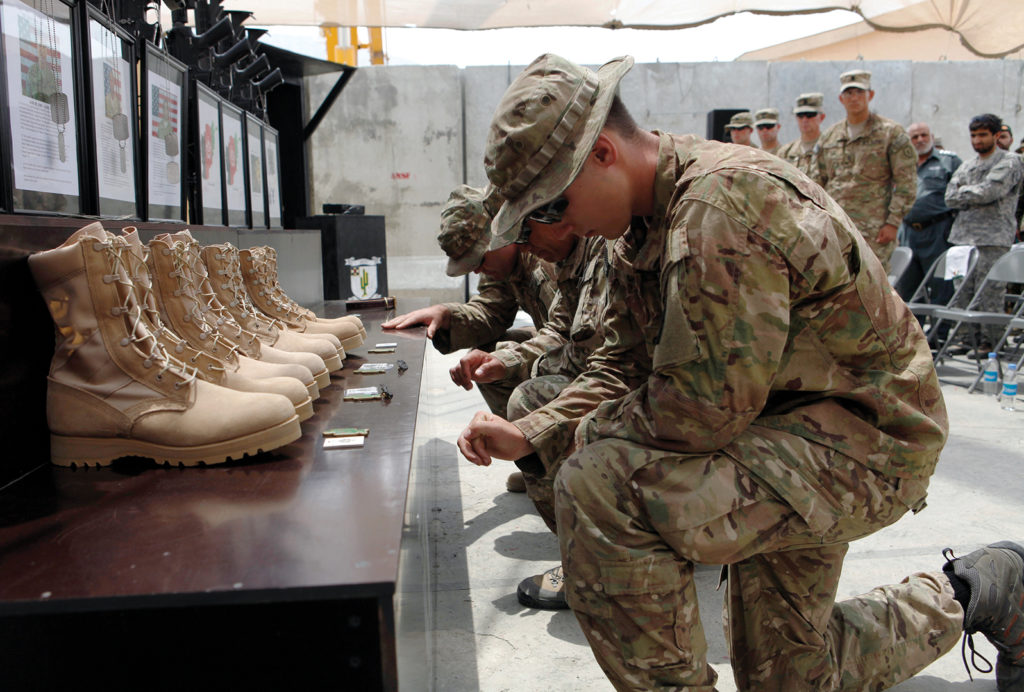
{"x":484,"y":540}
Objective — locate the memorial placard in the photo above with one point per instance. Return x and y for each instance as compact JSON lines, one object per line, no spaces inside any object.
{"x":165,"y":108}
{"x":40,"y":99}
{"x":272,"y":165}
{"x":234,"y":164}
{"x":114,"y":114}
{"x":255,"y":177}
{"x":208,"y":148}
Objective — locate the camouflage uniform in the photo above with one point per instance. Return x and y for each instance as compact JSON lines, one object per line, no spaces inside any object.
{"x":484,"y":321}
{"x":873,"y":177}
{"x":792,"y":406}
{"x":756,"y":442}
{"x":805,"y":161}
{"x":984,"y":191}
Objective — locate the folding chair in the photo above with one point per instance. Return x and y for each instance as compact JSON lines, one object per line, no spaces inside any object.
{"x":898,"y":263}
{"x":1007,"y":269}
{"x":920,"y":302}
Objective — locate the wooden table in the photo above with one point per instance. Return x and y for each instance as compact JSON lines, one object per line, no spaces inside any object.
{"x":273,"y":573}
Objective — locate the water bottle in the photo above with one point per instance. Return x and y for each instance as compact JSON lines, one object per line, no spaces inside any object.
{"x":990,"y":381}
{"x":1009,"y":398}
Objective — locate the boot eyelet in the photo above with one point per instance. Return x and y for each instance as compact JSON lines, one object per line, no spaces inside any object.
{"x":147,"y":363}
{"x":159,"y":377}
{"x":177,"y":385}
{"x":166,"y":251}
{"x":125,"y":341}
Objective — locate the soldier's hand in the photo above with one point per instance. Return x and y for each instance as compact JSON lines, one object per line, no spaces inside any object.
{"x":477,"y":366}
{"x":887,"y":234}
{"x":489,"y":436}
{"x":435,"y":317}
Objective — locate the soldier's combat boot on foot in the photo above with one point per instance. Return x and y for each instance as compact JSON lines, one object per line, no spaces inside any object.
{"x":114,"y":391}
{"x":994,"y":577}
{"x":545,"y":591}
{"x":259,"y":270}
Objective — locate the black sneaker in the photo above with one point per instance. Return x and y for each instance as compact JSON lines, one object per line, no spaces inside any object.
{"x":995,"y":576}
{"x":545,"y":591}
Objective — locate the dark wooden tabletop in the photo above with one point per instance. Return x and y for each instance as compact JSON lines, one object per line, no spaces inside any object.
{"x":294,"y":524}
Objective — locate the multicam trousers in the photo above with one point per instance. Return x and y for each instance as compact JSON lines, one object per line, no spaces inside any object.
{"x":632,"y":521}
{"x":527,"y":397}
{"x":496,"y":394}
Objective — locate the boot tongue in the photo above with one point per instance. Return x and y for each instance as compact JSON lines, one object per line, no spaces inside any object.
{"x":94,"y":230}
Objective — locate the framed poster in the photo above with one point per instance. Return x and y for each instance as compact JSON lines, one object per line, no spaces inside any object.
{"x":209,"y":159}
{"x":41,"y":98}
{"x":236,"y":212}
{"x":164,"y":110}
{"x":272,"y":167}
{"x":110,"y":59}
{"x":254,"y":171}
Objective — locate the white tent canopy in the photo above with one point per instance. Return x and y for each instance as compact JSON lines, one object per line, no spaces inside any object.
{"x":989,"y":28}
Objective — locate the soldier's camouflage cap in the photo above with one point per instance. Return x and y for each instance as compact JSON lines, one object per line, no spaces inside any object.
{"x":860,"y":79}
{"x":812,"y":102}
{"x":542,"y":132}
{"x":766,"y":116}
{"x":740,"y":120}
{"x":465,"y":227}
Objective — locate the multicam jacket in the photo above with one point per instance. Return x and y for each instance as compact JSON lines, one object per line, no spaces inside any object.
{"x":552,"y":347}
{"x":985,"y":193}
{"x":805,"y":161}
{"x":873,"y":177}
{"x":531,"y":287}
{"x":759,"y":304}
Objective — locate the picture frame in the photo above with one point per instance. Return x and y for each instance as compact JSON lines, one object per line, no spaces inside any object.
{"x":208,"y":200}
{"x":272,"y":166}
{"x":165,"y":118}
{"x":236,"y":209}
{"x":112,"y":117}
{"x":255,"y":176}
{"x":42,"y":97}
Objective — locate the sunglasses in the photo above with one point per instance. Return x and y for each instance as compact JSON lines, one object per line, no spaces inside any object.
{"x":765,"y":127}
{"x":549,"y":214}
{"x":807,"y":115}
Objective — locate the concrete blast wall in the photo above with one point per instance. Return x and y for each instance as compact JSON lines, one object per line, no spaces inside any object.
{"x":400,"y":138}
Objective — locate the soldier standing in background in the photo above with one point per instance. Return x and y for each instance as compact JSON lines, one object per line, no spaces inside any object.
{"x":802,"y":152}
{"x":984,"y":191}
{"x":740,"y":127}
{"x":866,"y":163}
{"x":766,"y":121}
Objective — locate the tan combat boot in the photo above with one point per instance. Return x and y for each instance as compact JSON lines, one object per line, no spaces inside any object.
{"x":225,"y":270}
{"x":259,"y":269}
{"x":181,"y":310}
{"x":207,"y":367}
{"x":113,"y":391}
{"x":249,"y":343}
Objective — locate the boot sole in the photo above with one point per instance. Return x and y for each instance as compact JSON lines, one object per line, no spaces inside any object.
{"x":322,"y":378}
{"x":333,"y":363}
{"x":88,"y":451}
{"x":354,"y":341}
{"x":313,"y":389}
{"x":305,"y":410}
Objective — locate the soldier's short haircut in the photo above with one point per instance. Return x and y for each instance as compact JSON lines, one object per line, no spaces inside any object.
{"x":986,"y":121}
{"x":620,"y":120}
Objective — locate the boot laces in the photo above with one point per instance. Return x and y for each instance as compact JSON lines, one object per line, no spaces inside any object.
{"x":139,"y":334}
{"x":266,"y":258}
{"x":968,"y":640}
{"x":234,"y":282}
{"x":186,"y":284}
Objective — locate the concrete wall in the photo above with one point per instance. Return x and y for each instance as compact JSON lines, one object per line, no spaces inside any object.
{"x":400,"y":138}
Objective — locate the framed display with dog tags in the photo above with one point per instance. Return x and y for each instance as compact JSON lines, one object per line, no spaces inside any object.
{"x":254,"y":171}
{"x":114,"y":117}
{"x":272,"y":165}
{"x":233,"y":152}
{"x":164,"y":109}
{"x":209,"y":158}
{"x":41,"y":100}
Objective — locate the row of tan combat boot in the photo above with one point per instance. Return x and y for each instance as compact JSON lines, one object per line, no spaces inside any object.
{"x":179,"y":353}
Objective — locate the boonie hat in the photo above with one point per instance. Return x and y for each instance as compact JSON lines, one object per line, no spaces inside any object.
{"x":740,"y":120}
{"x":542,"y":132}
{"x":766,"y":116}
{"x":465,"y":228}
{"x":812,"y":102}
{"x":860,"y":79}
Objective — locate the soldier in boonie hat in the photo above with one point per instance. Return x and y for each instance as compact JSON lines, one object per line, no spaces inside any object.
{"x":542,"y":133}
{"x":766,"y":120}
{"x":465,"y":227}
{"x":855,"y":79}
